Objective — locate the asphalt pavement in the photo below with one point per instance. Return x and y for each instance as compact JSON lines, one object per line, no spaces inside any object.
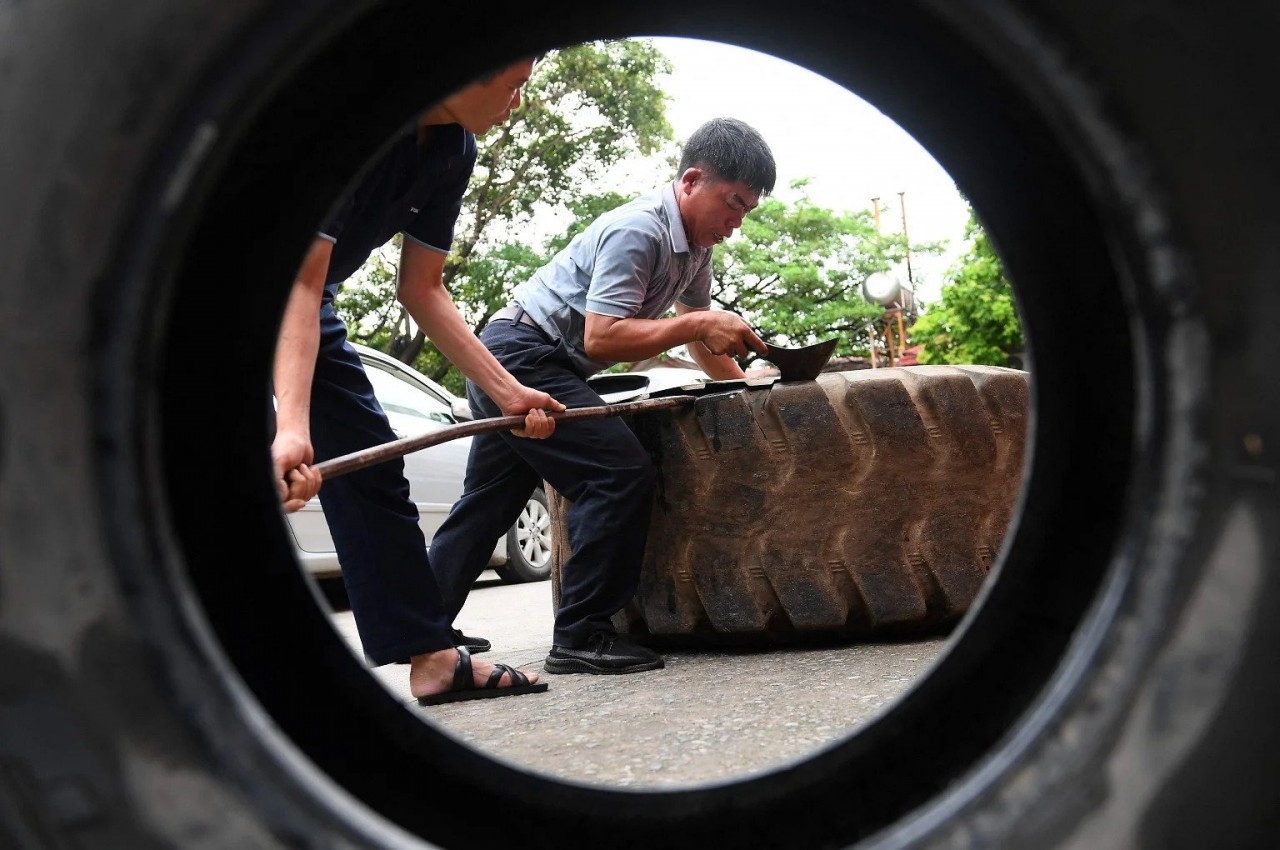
{"x":708,"y":716}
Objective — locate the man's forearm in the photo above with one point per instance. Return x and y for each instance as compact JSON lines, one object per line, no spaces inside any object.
{"x":298,"y":342}
{"x":629,"y":340}
{"x":435,"y":313}
{"x":720,"y":367}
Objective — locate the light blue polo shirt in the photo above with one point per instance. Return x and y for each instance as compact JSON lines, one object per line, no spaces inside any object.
{"x":631,"y":262}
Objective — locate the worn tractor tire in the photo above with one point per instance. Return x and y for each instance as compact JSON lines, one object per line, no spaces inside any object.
{"x":864,"y":503}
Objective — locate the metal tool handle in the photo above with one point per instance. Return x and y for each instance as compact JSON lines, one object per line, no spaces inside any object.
{"x":399,"y":448}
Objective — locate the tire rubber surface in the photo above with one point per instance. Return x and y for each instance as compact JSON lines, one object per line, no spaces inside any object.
{"x":864,"y":503}
{"x":168,"y":678}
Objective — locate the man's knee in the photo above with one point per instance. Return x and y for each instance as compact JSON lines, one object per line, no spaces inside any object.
{"x":638,"y":478}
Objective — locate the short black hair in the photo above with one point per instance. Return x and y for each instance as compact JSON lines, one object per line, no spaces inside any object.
{"x":491,"y":75}
{"x":731,"y":150}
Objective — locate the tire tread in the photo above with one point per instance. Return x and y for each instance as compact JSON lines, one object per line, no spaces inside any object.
{"x":865,"y":503}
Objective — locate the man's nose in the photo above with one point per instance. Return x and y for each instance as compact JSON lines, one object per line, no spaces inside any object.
{"x":515,"y":99}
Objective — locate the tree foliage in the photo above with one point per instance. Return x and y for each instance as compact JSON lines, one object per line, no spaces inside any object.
{"x":585,"y":109}
{"x":795,"y":273}
{"x":976,"y":321}
{"x":367,"y":301}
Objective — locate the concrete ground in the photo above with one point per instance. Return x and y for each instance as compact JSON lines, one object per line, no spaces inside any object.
{"x":707,"y":717}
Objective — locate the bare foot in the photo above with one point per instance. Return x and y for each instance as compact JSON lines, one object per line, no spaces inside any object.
{"x":432,"y":673}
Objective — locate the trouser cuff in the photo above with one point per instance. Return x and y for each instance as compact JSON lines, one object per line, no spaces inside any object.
{"x":403,"y":651}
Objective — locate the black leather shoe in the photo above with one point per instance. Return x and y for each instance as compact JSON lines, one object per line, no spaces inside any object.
{"x":604,"y":653}
{"x":475,"y":644}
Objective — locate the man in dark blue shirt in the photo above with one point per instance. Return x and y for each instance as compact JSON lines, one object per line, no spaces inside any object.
{"x":326,"y":407}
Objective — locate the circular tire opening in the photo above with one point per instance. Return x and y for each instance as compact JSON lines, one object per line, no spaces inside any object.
{"x":380,"y":753}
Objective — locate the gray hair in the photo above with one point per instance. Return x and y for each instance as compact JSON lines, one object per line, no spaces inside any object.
{"x":733,"y":151}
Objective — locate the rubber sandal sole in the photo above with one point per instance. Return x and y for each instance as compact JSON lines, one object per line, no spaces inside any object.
{"x":482,"y":693}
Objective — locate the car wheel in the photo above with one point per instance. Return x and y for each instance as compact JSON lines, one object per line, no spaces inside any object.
{"x":529,"y":543}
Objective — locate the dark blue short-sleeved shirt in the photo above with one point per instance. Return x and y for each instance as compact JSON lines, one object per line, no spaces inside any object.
{"x":410,"y":189}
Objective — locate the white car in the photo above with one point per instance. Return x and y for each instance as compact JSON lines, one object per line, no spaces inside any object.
{"x":416,"y":404}
{"x":625,"y":386}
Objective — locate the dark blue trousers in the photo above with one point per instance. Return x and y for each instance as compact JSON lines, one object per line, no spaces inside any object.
{"x":599,"y":465}
{"x":394,"y":596}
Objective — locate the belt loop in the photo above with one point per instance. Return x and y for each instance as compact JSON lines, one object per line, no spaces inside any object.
{"x":520,"y":314}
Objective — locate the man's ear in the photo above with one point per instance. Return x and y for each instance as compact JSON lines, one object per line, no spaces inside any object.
{"x":690,"y":179}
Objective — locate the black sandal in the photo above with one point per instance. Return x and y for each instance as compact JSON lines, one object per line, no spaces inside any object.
{"x":463,"y":687}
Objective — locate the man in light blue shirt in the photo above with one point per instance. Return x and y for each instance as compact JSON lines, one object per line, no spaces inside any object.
{"x":632,"y":262}
{"x":601,"y":301}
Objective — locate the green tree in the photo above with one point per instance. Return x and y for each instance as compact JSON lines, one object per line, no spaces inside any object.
{"x":585,"y":109}
{"x":586,"y":209}
{"x":487,"y":279}
{"x":367,"y":301}
{"x":796,"y":270}
{"x":976,"y":321}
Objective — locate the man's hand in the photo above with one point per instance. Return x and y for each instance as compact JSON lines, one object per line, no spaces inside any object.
{"x":726,"y":333}
{"x":537,"y":424}
{"x":296,"y":481}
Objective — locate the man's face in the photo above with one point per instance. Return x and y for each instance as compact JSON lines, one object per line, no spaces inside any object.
{"x":484,"y":105}
{"x":712,"y":208}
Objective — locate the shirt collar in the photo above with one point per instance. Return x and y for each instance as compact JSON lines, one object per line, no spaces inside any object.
{"x":447,"y":140}
{"x":679,"y":242}
{"x":451,"y":139}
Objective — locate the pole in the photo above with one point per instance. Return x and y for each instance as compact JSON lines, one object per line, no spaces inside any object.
{"x":902,"y":202}
{"x":363,"y":458}
{"x":875,"y":212}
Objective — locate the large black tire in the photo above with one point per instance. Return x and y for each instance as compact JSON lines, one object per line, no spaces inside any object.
{"x":168,"y":680}
{"x":863,"y":503}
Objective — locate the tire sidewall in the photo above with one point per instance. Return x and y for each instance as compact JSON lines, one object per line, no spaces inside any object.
{"x":108,"y":649}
